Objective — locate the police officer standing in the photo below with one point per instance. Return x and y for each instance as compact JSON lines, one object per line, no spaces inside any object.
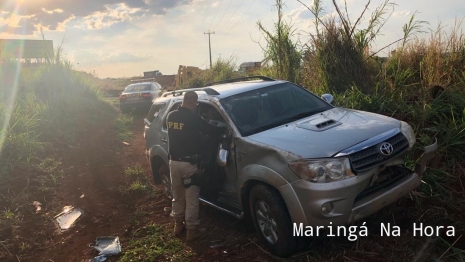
{"x":184,"y":127}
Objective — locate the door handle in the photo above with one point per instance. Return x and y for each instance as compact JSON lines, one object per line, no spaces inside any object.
{"x":164,"y":140}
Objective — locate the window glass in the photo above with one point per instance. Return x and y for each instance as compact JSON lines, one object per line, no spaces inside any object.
{"x":154,"y":111}
{"x":210,"y":114}
{"x":271,"y":106}
{"x":138,"y":88}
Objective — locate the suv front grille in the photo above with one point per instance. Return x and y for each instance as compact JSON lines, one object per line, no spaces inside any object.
{"x":369,"y":157}
{"x":385,"y":179}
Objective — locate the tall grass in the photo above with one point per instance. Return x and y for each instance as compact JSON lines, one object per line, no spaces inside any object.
{"x":281,"y":49}
{"x":41,"y":111}
{"x":40,"y":106}
{"x":221,"y":69}
{"x":20,"y":129}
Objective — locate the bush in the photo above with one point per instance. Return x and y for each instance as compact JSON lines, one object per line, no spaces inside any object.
{"x":221,"y":70}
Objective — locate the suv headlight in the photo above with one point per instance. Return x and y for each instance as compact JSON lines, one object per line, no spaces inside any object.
{"x":322,"y":170}
{"x":407,"y":131}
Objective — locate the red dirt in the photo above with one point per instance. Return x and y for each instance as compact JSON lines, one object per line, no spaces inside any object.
{"x":96,"y":172}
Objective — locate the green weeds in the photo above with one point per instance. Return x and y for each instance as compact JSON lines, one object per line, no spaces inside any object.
{"x":49,"y":174}
{"x":456,"y":253}
{"x":221,"y":69}
{"x":9,"y":214}
{"x":139,"y":183}
{"x":134,"y":171}
{"x":123,"y":127}
{"x":138,"y":186}
{"x":153,"y":243}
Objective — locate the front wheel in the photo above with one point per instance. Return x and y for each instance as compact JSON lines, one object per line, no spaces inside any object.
{"x":272,"y":220}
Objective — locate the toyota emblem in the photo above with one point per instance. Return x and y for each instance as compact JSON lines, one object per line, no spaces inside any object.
{"x":385,"y":149}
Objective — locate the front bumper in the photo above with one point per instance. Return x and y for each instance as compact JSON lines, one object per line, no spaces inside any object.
{"x":368,"y":205}
{"x":358,"y":197}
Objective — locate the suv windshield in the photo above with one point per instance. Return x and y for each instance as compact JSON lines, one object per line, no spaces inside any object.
{"x":138,"y":88}
{"x":259,"y":110}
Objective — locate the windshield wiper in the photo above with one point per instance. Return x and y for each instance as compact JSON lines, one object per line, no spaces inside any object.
{"x":282,"y":122}
{"x":305,"y":114}
{"x":265,"y":127}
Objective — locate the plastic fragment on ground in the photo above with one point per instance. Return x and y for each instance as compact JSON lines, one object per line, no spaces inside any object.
{"x":107,"y":246}
{"x":68,"y":217}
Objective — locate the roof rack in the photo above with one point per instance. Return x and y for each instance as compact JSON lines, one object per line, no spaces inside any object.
{"x":264,"y":78}
{"x":207,"y":90}
{"x":152,"y":79}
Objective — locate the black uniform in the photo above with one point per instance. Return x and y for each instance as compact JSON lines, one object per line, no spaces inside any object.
{"x":183,"y":133}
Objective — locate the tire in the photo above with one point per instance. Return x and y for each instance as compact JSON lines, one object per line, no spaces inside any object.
{"x":155,"y":167}
{"x":272,"y":221}
{"x":164,"y":173}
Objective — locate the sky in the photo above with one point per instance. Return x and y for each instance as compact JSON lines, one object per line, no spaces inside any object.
{"x":124,"y":38}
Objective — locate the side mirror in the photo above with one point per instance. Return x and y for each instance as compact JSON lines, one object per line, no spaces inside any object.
{"x":328,"y":98}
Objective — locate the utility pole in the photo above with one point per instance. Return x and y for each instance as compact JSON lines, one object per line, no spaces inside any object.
{"x":209,"y":46}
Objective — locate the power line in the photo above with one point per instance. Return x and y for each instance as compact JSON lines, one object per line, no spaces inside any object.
{"x":209,"y":8}
{"x":215,"y":43}
{"x":215,"y":14}
{"x":227,"y":8}
{"x":238,"y":19}
{"x":233,"y":14}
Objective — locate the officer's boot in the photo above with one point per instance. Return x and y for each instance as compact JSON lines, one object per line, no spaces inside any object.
{"x":178,"y":226}
{"x":193,"y":234}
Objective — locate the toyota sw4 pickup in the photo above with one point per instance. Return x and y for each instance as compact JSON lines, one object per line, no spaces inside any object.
{"x":290,"y":157}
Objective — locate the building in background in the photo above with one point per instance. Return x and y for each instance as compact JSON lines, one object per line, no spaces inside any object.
{"x":185,"y":73}
{"x":249,"y":66}
{"x":166,"y":81}
{"x":170,"y":82}
{"x":152,"y":73}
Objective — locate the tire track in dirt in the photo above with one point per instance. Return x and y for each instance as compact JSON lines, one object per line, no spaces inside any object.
{"x":92,"y":184}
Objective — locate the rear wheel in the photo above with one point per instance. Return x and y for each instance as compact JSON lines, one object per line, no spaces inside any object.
{"x":272,"y":220}
{"x":164,"y":173}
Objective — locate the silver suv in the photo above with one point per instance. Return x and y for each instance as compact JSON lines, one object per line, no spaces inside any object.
{"x":289,"y":158}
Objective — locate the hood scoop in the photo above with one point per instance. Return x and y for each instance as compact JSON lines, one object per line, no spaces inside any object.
{"x":318,"y":124}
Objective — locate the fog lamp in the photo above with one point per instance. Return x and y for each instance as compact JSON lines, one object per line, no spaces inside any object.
{"x":326,"y":208}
